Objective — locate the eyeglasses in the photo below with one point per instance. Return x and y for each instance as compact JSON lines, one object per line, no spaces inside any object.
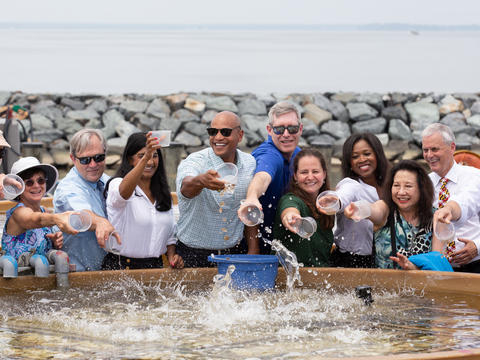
{"x":39,"y":181}
{"x":88,"y":159}
{"x":292,"y":129}
{"x":225,"y":131}
{"x":3,"y":151}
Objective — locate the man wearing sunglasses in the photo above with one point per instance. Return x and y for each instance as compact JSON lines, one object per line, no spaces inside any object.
{"x":82,"y":189}
{"x":274,"y":159}
{"x":3,"y":151}
{"x":208,"y":215}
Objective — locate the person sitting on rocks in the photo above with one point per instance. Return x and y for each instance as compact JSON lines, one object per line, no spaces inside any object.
{"x":208,"y":221}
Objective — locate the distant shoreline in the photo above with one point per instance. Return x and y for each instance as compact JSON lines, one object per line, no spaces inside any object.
{"x":244,"y":27}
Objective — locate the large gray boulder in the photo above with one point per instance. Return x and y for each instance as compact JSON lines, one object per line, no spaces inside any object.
{"x":322,"y":101}
{"x":254,"y":123}
{"x":474,"y":121}
{"x":184,"y":115}
{"x":69,"y":126}
{"x":372,"y":99}
{"x":252,"y":106}
{"x":99,"y":105}
{"x":195,"y":106}
{"x":42,"y":104}
{"x":395,"y":112}
{"x":208,"y":116}
{"x":253,"y":139}
{"x":456,"y":122}
{"x":344,"y":98}
{"x":417,"y":136}
{"x":322,"y":138}
{"x":159,"y":109}
{"x":196,"y":129}
{"x":47,"y":135}
{"x":177,"y":101}
{"x":398,"y":98}
{"x":337,"y":129}
{"x":124,"y":129}
{"x":467,"y":138}
{"x":116,"y":99}
{"x":131,"y":107}
{"x":467,"y":98}
{"x":171,"y":124}
{"x":267,"y":99}
{"x":222,"y":103}
{"x":73,"y":104}
{"x":398,"y":130}
{"x":339,"y":111}
{"x":111,"y":118}
{"x":475,"y":108}
{"x":41,"y":122}
{"x":309,"y":128}
{"x":422,"y":113}
{"x":83,"y":116}
{"x":188,"y":139}
{"x":50,"y":112}
{"x":116,"y":145}
{"x":145,"y":122}
{"x":374,"y":126}
{"x":4,"y":97}
{"x":361,"y":111}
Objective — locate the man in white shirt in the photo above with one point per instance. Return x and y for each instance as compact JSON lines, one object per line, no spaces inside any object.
{"x":448,"y":179}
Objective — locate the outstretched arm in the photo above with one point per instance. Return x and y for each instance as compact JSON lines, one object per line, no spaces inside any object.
{"x":256,"y":189}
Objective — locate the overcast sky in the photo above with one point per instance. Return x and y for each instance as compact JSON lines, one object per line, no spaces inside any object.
{"x":432,"y":12}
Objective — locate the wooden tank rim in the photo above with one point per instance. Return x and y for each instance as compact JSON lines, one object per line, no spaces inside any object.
{"x":202,"y":277}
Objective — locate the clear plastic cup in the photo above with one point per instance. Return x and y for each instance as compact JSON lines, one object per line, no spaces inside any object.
{"x":80,"y":221}
{"x":112,"y":246}
{"x":251,"y":215}
{"x":13,"y":186}
{"x":228,"y":172}
{"x":305,"y":227}
{"x":445,"y":232}
{"x":329,"y":201}
{"x":163,"y":136}
{"x":362,"y":210}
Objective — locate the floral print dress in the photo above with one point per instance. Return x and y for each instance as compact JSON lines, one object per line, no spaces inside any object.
{"x":30,"y":239}
{"x":410,"y":240}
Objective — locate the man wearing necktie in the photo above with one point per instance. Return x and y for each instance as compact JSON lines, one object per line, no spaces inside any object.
{"x":82,"y":189}
{"x":448,"y":179}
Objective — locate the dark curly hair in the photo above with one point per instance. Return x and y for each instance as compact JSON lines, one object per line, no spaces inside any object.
{"x":425,"y":187}
{"x":376,"y":145}
{"x":159,"y":183}
{"x":326,"y":221}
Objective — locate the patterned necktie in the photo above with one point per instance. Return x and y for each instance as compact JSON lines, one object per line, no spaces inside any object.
{"x":101,"y":188}
{"x":444,"y":194}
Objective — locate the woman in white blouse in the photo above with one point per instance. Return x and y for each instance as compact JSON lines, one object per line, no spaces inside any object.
{"x":364,"y":167}
{"x":139,"y":204}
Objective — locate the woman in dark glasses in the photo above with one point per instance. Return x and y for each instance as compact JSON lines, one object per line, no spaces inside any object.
{"x":139,"y":205}
{"x":28,"y":225}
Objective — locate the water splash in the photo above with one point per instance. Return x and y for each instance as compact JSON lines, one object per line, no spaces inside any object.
{"x":289,"y":262}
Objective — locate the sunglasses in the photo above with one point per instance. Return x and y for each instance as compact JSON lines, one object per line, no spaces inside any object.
{"x":88,"y":159}
{"x":225,"y":131}
{"x":292,"y":129}
{"x":39,"y":181}
{"x":3,"y":151}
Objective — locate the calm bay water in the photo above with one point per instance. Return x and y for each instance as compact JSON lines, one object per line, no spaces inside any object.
{"x":162,"y":62}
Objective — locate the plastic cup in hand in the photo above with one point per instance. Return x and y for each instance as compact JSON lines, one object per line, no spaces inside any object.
{"x":362,"y":210}
{"x":305,"y":227}
{"x":111,"y":245}
{"x":251,"y":215}
{"x":80,"y":221}
{"x":445,"y":232}
{"x":13,"y":186}
{"x":328,"y":201}
{"x":163,"y":137}
{"x":228,"y":172}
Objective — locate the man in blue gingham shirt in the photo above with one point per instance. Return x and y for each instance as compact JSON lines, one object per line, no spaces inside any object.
{"x":208,"y":220}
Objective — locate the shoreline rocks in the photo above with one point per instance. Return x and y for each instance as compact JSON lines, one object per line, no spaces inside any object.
{"x":396,"y":118}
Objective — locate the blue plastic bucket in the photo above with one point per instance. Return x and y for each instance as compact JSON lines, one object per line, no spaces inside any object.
{"x":255,"y":272}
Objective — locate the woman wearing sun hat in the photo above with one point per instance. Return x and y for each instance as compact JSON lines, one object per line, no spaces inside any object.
{"x":28,"y":224}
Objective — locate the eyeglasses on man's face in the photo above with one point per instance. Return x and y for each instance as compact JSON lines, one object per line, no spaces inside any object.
{"x":88,"y":159}
{"x":39,"y":181}
{"x":279,"y":130}
{"x":225,"y":131}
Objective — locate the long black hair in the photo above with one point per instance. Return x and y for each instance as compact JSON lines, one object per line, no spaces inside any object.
{"x":425,"y":187}
{"x":376,"y":145}
{"x":159,"y":184}
{"x":326,"y":221}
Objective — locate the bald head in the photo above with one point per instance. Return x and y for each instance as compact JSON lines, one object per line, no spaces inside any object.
{"x":228,"y":135}
{"x":226,"y":117}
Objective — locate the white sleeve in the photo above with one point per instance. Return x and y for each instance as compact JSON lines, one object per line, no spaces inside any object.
{"x":468,"y":199}
{"x":114,"y":199}
{"x":348,"y":191}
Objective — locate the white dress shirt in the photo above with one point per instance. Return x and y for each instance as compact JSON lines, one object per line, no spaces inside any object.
{"x":460,"y":177}
{"x":146,"y":231}
{"x":350,"y":236}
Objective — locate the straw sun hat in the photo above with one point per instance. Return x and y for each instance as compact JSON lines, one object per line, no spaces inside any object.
{"x":30,"y":162}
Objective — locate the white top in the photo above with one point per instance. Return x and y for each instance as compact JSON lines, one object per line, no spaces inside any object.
{"x":351,"y":236}
{"x":458,"y":178}
{"x":147,"y":232}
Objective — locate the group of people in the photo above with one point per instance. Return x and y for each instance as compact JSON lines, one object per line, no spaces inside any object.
{"x":278,"y":177}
